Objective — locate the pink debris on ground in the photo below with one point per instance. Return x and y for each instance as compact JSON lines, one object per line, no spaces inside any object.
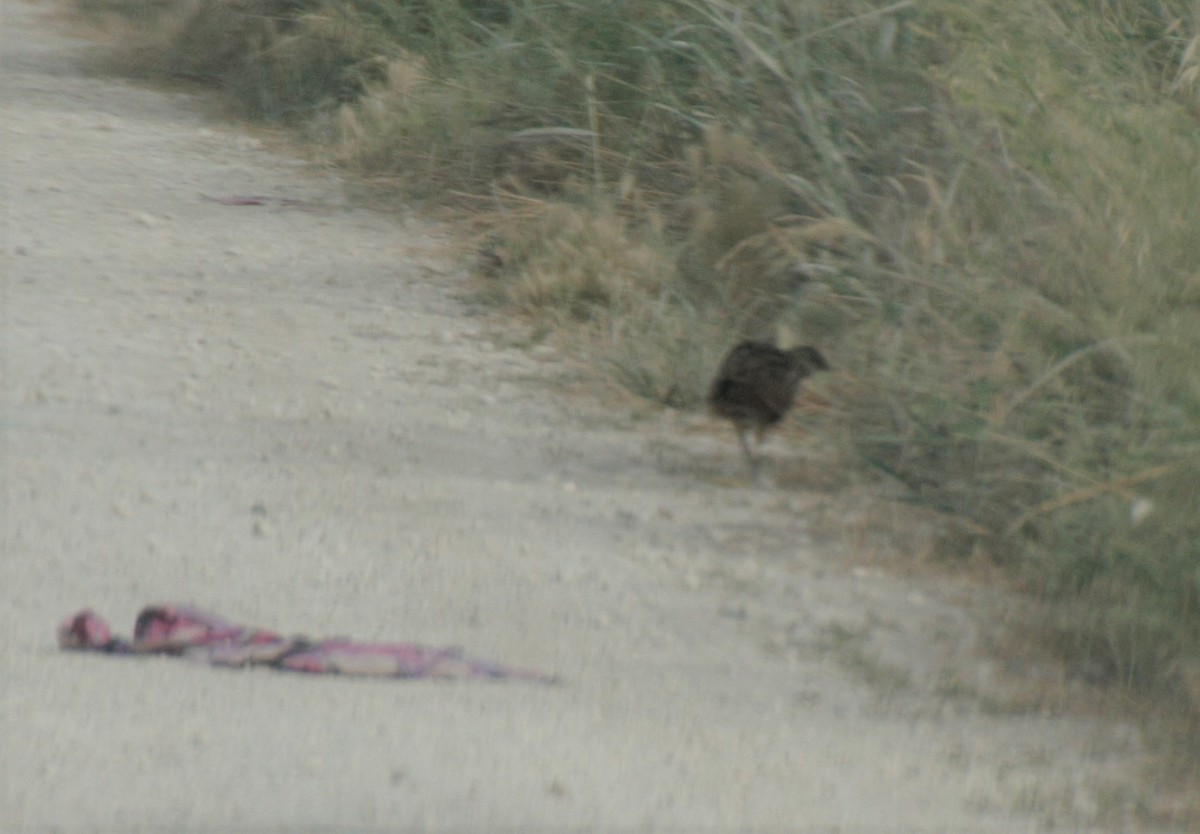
{"x":202,"y":636}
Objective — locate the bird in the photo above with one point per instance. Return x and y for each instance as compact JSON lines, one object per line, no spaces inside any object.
{"x":756,"y":384}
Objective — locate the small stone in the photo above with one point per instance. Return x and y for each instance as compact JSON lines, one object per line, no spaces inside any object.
{"x":557,"y":788}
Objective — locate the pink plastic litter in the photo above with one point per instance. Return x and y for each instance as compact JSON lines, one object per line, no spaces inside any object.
{"x":186,"y":631}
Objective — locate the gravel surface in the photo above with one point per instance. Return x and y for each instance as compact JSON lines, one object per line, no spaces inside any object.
{"x":290,"y":413}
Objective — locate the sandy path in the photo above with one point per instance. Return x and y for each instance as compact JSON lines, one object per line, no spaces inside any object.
{"x":287,"y":414}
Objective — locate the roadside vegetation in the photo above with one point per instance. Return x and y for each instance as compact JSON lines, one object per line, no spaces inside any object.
{"x":986,"y":214}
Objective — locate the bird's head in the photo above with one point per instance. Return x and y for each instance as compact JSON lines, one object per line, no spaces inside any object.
{"x":807,"y":359}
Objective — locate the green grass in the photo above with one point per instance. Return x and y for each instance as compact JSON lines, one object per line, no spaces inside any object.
{"x":984,"y":214}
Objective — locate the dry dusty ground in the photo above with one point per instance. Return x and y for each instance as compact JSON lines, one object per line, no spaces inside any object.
{"x":290,"y":414}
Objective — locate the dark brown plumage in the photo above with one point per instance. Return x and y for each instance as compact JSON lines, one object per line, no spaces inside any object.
{"x":756,"y":385}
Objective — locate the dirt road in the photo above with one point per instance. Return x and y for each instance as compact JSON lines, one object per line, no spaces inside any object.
{"x":289,"y":414}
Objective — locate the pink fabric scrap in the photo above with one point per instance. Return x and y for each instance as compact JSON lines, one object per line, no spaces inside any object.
{"x":200,"y":635}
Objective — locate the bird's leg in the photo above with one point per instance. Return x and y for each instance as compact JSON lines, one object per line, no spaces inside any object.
{"x":745,"y":444}
{"x":756,"y":467}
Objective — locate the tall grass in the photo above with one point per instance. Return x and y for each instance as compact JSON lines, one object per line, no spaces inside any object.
{"x":984,"y":213}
